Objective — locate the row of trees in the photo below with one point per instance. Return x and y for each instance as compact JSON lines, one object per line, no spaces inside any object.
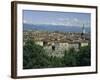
{"x":34,"y":56}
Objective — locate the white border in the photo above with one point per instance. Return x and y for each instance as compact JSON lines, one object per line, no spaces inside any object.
{"x":46,"y":71}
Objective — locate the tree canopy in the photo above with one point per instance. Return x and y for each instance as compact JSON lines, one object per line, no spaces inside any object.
{"x":35,"y":56}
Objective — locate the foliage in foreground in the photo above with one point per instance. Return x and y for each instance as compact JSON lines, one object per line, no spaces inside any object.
{"x":34,"y":56}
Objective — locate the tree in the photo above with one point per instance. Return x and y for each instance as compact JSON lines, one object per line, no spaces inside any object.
{"x":34,"y":56}
{"x":56,"y":61}
{"x":84,"y":56}
{"x":70,"y":58}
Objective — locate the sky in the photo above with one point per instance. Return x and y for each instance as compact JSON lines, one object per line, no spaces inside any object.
{"x":56,"y":18}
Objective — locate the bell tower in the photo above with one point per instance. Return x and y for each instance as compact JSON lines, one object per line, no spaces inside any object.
{"x":83,"y":29}
{"x":83,"y":32}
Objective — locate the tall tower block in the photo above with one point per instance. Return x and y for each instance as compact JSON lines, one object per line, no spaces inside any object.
{"x":83,"y":29}
{"x":83,"y":32}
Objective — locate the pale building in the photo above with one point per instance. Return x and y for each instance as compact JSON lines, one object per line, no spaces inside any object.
{"x":64,"y":46}
{"x":74,"y":45}
{"x":84,"y":44}
{"x":39,"y":43}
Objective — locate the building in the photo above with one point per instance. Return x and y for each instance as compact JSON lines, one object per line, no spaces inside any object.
{"x":55,"y":43}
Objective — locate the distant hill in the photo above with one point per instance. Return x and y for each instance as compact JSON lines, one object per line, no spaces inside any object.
{"x":54,"y":28}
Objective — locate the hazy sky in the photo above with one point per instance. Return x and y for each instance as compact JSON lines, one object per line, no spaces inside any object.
{"x":56,"y":18}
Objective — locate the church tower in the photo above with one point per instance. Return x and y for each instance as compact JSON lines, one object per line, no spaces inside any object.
{"x":83,"y":29}
{"x":83,"y":32}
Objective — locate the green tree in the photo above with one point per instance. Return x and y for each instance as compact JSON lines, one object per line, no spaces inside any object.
{"x":34,"y":56}
{"x":70,"y":58}
{"x":56,"y":61}
{"x":84,"y":56}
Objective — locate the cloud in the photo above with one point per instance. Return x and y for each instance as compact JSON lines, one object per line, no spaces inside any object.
{"x":62,"y":21}
{"x":78,"y":22}
{"x":28,"y":21}
{"x":70,"y":22}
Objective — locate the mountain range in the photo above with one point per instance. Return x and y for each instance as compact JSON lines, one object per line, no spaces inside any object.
{"x":49,"y":27}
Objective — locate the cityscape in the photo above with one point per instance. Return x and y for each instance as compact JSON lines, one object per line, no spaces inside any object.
{"x":53,"y":43}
